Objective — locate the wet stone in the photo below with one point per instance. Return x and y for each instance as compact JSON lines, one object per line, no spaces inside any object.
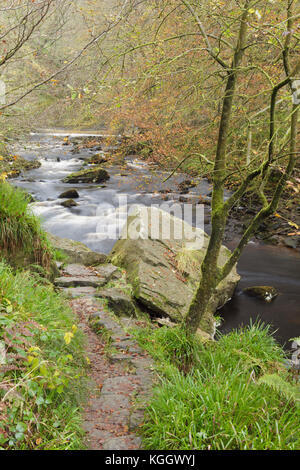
{"x":69,"y":203}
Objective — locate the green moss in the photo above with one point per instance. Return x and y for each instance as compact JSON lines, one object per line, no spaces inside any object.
{"x":93,"y":175}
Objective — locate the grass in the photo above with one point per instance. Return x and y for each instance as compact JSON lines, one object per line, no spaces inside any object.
{"x":42,"y":366}
{"x":20,"y":230}
{"x":220,"y":396}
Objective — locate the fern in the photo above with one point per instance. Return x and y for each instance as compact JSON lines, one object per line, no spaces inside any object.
{"x":290,"y":392}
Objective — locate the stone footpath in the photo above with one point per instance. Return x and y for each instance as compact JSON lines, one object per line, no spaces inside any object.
{"x":121,"y":377}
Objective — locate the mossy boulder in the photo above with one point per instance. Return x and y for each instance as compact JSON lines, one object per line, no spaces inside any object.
{"x":91,"y":175}
{"x":164,"y":269}
{"x":76,"y":252}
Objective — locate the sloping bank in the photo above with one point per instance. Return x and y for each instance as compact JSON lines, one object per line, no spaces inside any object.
{"x":42,"y":361}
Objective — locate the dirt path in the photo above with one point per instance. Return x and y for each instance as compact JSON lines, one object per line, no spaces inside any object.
{"x":120,"y":379}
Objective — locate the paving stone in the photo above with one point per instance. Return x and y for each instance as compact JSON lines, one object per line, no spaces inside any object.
{"x":142,"y":362}
{"x":77,"y":270}
{"x":80,"y":291}
{"x":128,"y":346}
{"x":96,"y":436}
{"x":121,"y":383}
{"x":123,"y":443}
{"x":120,"y":338}
{"x":102,"y":320}
{"x":113,"y":413}
{"x":120,"y":359}
{"x":87,"y":281}
{"x":119,"y":418}
{"x":112,"y":402}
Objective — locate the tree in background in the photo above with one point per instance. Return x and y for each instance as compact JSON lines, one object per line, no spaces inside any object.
{"x":246,"y":54}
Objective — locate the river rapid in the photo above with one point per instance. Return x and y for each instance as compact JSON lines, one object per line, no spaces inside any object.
{"x":136,"y":183}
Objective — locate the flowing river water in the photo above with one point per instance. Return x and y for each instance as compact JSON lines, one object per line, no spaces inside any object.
{"x":259,"y":265}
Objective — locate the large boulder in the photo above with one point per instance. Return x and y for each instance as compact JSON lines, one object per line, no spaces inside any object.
{"x":164,"y":270}
{"x":76,"y":252}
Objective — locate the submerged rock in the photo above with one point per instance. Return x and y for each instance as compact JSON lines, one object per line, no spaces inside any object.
{"x":69,"y":203}
{"x":91,"y":175}
{"x":266,"y":293}
{"x":76,"y":252}
{"x":164,"y":269}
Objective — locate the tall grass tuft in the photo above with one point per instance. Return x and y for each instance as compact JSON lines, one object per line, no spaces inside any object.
{"x":20,"y":230}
